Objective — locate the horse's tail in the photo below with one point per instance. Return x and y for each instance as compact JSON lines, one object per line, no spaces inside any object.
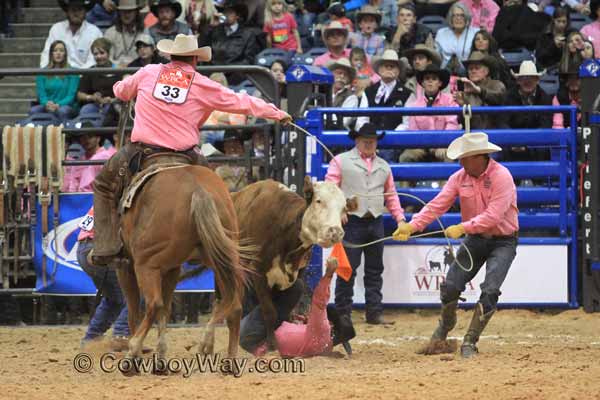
{"x":222,"y":252}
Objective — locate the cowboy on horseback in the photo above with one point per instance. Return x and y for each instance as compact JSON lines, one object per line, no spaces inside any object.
{"x":172,"y":103}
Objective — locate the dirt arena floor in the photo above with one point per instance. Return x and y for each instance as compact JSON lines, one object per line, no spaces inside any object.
{"x":524,"y":355}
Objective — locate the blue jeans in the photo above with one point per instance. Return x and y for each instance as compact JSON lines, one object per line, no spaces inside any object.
{"x":252,"y":328}
{"x":497,"y":253}
{"x":64,"y":113}
{"x":358,"y":231}
{"x":112,"y":307}
{"x":93,"y":108}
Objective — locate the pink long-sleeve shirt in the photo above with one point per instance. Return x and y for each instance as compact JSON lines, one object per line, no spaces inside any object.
{"x":312,"y":338}
{"x":165,"y":122}
{"x":80,"y":178}
{"x":483,"y":14}
{"x":433,"y":122}
{"x":488,"y":203}
{"x":592,"y":32}
{"x":392,"y":201}
{"x":326,"y":58}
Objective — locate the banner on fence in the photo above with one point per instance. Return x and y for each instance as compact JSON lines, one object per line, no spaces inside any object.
{"x":64,"y":276}
{"x":413,"y":274}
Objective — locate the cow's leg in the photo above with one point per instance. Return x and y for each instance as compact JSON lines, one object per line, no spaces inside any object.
{"x":129,"y":286}
{"x":168,"y":287}
{"x":269,"y":313}
{"x":233,"y":325}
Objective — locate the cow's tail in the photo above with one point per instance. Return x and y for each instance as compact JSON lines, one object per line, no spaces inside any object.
{"x":222,"y":252}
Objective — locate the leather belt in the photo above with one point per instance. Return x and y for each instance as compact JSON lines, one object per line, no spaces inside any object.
{"x":513,"y":235}
{"x":149,"y":150}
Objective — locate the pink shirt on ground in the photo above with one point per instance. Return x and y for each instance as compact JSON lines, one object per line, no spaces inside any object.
{"x":592,"y":32}
{"x":326,"y":58}
{"x":80,"y":178}
{"x":176,"y":126}
{"x":392,"y":201}
{"x":433,"y":122}
{"x":484,"y":14}
{"x":281,"y":31}
{"x":488,"y":204}
{"x":83,"y":234}
{"x":313,"y":338}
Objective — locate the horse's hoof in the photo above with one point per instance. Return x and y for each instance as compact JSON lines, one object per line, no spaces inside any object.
{"x":206,"y":349}
{"x":130,"y":368}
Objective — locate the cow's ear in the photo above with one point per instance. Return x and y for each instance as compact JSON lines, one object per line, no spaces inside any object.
{"x":352,"y":204}
{"x":308,"y":189}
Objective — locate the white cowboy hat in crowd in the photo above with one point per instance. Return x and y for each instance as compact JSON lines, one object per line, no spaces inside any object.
{"x":528,"y":68}
{"x":389,"y":55}
{"x":344,"y":64}
{"x":128,"y":5}
{"x":471,"y":144}
{"x":184,"y":45}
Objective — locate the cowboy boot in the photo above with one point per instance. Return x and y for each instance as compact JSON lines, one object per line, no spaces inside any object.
{"x":108,"y":187}
{"x":477,"y":325}
{"x":447,"y":321}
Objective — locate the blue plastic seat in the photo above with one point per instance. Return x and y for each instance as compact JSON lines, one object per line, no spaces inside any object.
{"x":268,"y":56}
{"x":515,"y":57}
{"x":433,"y":22}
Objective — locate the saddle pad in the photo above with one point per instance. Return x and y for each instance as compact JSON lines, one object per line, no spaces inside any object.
{"x":138,"y":181}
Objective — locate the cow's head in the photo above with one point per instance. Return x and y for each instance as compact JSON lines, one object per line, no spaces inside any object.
{"x":327,"y":206}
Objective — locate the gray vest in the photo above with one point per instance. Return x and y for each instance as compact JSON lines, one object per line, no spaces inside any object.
{"x":356,"y":179}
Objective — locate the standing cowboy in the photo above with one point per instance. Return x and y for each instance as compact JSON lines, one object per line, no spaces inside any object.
{"x":172,"y":103}
{"x":488,"y":203}
{"x":361,"y":171}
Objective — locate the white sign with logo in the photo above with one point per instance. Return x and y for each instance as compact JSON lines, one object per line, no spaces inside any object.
{"x":413,"y":274}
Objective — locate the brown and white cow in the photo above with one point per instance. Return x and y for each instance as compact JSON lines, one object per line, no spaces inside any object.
{"x":284,"y":226}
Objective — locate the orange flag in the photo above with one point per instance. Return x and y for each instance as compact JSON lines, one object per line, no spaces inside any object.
{"x":344,"y":269}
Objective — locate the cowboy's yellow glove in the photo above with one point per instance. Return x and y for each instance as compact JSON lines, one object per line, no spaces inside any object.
{"x":455,"y":231}
{"x":403,"y":232}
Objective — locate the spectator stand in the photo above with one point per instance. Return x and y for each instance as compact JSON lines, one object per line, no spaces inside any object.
{"x":515,"y":57}
{"x":579,"y":20}
{"x":309,"y":57}
{"x":433,"y":22}
{"x":57,"y":246}
{"x":548,"y":216}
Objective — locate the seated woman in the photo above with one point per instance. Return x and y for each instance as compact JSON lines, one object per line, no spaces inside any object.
{"x":96,"y":92}
{"x":56,"y":94}
{"x":485,"y":43}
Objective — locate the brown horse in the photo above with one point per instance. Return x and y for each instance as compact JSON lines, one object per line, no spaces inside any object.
{"x":183,"y":214}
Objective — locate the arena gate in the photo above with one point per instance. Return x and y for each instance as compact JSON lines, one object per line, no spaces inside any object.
{"x":545,"y":271}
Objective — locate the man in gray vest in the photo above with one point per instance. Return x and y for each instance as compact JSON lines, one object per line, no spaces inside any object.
{"x":360,"y":172}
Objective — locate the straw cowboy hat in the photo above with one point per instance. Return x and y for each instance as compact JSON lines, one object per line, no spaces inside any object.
{"x":430,"y":53}
{"x":334,"y":26}
{"x":368,"y":10}
{"x":184,"y":45}
{"x":87,"y":4}
{"x":388,"y":56}
{"x":368,"y":131}
{"x":128,"y":5}
{"x":174,"y":4}
{"x":477,"y":57}
{"x":344,"y":64}
{"x":442,"y":74}
{"x":528,"y":68}
{"x":471,"y":144}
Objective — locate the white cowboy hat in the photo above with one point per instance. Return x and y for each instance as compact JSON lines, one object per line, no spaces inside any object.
{"x":528,"y":68}
{"x":389,"y":55}
{"x":471,"y":144}
{"x":344,"y":64}
{"x":184,"y":45}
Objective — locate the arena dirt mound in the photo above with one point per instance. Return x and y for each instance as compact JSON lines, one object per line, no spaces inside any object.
{"x":439,"y":347}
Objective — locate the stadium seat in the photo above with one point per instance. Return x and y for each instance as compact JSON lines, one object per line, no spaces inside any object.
{"x":579,"y":20}
{"x":266,"y":57}
{"x":317,"y":38}
{"x":515,"y":57}
{"x":549,"y":82}
{"x":96,"y":119}
{"x":309,"y":57}
{"x":43,"y":119}
{"x":434,"y":22}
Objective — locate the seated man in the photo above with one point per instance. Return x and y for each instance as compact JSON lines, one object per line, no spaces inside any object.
{"x":234,"y":176}
{"x":300,"y":340}
{"x":80,"y":178}
{"x":167,"y":26}
{"x":335,"y":37}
